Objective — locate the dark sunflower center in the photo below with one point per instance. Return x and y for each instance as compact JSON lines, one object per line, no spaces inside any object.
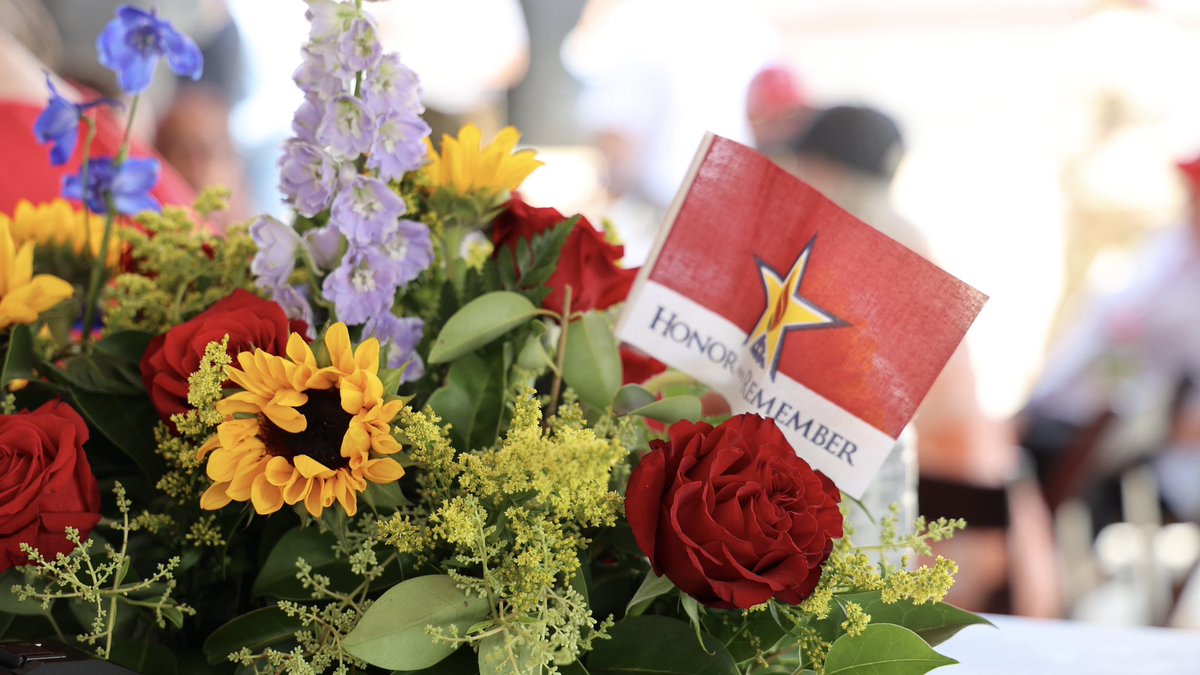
{"x":321,"y":439}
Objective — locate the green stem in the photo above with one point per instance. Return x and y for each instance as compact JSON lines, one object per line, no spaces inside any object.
{"x":124,"y":151}
{"x":83,"y":178}
{"x":556,"y":388}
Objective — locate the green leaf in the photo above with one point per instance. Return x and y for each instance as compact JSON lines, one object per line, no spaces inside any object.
{"x":935,"y":622}
{"x":544,"y":252}
{"x":391,"y":633}
{"x":278,"y":575}
{"x":592,"y":366}
{"x":658,"y":645}
{"x":575,"y":668}
{"x":479,"y":322}
{"x":127,"y":345}
{"x":883,"y":648}
{"x":498,"y":657}
{"x":462,"y":661}
{"x":634,"y":400}
{"x":472,"y":400}
{"x":8,"y":600}
{"x":652,"y":587}
{"x":255,"y":630}
{"x":18,"y":359}
{"x":127,"y":421}
{"x":143,"y":656}
{"x":104,"y":374}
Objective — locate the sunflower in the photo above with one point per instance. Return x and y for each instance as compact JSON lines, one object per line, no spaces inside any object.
{"x":467,"y":167}
{"x":23,"y":295}
{"x":302,"y":432}
{"x":57,"y":224}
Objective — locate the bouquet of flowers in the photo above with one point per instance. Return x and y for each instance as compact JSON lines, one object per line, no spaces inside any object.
{"x":395,"y":434}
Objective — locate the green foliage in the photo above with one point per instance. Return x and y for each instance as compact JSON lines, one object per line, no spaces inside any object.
{"x":634,"y":400}
{"x":17,"y":363}
{"x":395,"y":631}
{"x":592,"y":363}
{"x":883,"y":648}
{"x":659,"y":645}
{"x":472,"y":399}
{"x":481,"y":321}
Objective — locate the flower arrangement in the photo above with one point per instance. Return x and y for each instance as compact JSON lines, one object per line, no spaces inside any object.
{"x":395,"y":434}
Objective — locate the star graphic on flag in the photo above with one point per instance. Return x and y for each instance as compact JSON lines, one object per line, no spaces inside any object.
{"x":785,"y":311}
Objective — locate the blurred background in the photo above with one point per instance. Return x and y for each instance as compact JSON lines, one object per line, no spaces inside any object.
{"x":1041,"y":150}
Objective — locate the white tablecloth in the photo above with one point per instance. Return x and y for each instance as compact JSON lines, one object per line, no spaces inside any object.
{"x":1034,"y":647}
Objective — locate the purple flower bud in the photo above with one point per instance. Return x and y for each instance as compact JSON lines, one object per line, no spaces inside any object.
{"x":399,"y":145}
{"x":307,"y":177}
{"x":325,"y":246}
{"x":308,"y":118}
{"x":400,"y":337}
{"x":366,"y":211}
{"x":348,"y":129}
{"x":276,"y":257}
{"x":294,"y":304}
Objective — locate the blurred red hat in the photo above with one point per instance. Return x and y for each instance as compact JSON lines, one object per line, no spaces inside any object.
{"x":774,"y":92}
{"x":1191,"y":173}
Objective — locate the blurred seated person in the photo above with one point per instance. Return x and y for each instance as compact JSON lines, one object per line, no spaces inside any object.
{"x":777,"y":109}
{"x":966,"y":460}
{"x":1132,"y":359}
{"x":193,"y":136}
{"x":26,"y":172}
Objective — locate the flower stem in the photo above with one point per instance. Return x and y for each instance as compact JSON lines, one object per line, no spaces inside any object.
{"x":556,"y":388}
{"x":83,"y":178}
{"x":93,"y":291}
{"x":124,"y":151}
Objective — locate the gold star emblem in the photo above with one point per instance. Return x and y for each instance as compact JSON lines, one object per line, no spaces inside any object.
{"x":785,"y":311}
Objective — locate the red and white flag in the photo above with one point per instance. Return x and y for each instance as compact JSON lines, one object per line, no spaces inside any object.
{"x":766,"y":291}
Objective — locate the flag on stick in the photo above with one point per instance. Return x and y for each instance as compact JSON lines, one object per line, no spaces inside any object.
{"x":764,"y":290}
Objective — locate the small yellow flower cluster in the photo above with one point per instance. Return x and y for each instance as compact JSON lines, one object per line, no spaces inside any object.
{"x":856,"y":621}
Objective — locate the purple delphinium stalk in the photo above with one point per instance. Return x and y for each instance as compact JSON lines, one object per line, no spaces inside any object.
{"x":278,"y":245}
{"x":131,"y":45}
{"x":307,"y":177}
{"x":399,"y":145}
{"x":347,"y":128}
{"x":363,"y":286}
{"x":400,"y":337}
{"x":366,"y":210}
{"x":308,"y":118}
{"x":130,"y":184}
{"x":409,"y":248}
{"x":392,"y":86}
{"x":325,"y":246}
{"x":330,"y":18}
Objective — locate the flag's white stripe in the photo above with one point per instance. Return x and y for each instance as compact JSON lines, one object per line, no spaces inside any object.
{"x":707,"y":346}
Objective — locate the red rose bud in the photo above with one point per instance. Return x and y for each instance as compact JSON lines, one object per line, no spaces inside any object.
{"x":46,"y":483}
{"x":588,"y":263}
{"x":731,"y":515}
{"x":248,"y":320}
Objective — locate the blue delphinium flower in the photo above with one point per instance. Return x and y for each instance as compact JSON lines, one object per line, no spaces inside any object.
{"x":392,"y":86}
{"x":363,"y":286}
{"x":59,"y":124}
{"x":399,"y":337}
{"x":294,"y":304}
{"x":409,"y":248}
{"x":316,"y":77}
{"x":347,"y":129}
{"x":130,"y":184}
{"x":278,"y":245}
{"x":358,"y":48}
{"x":399,"y":145}
{"x":307,"y":177}
{"x":366,"y":210}
{"x":131,"y":45}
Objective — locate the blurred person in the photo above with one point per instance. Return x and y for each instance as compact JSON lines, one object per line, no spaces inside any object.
{"x":656,"y":75}
{"x":1134,"y":354}
{"x":966,"y":460}
{"x":193,"y":136}
{"x":777,"y":108}
{"x":26,"y":172}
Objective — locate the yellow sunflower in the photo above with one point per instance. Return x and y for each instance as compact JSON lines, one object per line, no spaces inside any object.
{"x":23,"y":295}
{"x":59,"y":224}
{"x":300,"y":432}
{"x":467,"y":167}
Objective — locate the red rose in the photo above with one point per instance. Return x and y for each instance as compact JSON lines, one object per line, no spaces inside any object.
{"x":588,"y":263}
{"x":46,"y":483}
{"x":731,"y":515}
{"x":248,"y":320}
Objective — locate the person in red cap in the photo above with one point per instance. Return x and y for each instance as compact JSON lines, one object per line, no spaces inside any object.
{"x":777,"y":109}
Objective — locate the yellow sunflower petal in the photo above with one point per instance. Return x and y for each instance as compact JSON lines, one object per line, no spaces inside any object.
{"x":215,"y":497}
{"x":356,"y":441}
{"x":337,"y":343}
{"x":312,"y":501}
{"x":279,"y":471}
{"x":265,"y":497}
{"x":345,"y":495}
{"x":247,"y":471}
{"x":366,"y":356}
{"x":296,"y":490}
{"x":382,"y":470}
{"x":311,"y":468}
